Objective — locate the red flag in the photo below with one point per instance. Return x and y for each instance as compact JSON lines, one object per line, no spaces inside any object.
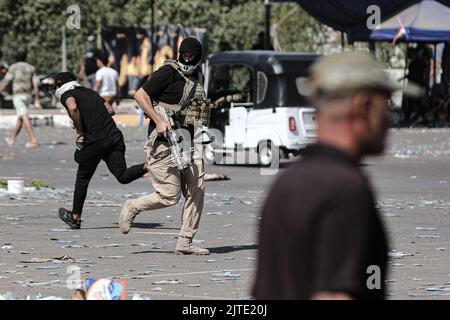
{"x":401,"y":31}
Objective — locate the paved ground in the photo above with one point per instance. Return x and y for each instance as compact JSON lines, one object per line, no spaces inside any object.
{"x":412,"y":183}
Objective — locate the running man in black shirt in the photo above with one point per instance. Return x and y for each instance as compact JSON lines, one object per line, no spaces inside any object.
{"x":98,"y":138}
{"x":321,"y":235}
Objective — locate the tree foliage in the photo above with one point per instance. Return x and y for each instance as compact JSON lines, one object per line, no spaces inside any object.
{"x":35,"y":25}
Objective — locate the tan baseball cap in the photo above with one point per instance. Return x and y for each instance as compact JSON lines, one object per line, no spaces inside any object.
{"x":343,"y":74}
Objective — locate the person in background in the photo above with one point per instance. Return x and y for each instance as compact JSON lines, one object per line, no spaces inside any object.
{"x":3,"y":70}
{"x":419,"y":74}
{"x":88,"y":63}
{"x":24,"y":81}
{"x":107,"y":82}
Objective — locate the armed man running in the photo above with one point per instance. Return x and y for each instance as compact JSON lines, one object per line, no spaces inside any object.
{"x":172,"y":89}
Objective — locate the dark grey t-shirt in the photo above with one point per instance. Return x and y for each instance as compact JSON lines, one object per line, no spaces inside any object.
{"x":320,"y":231}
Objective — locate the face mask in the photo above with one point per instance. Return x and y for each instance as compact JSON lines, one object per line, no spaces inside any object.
{"x":66,"y":87}
{"x":187,"y":69}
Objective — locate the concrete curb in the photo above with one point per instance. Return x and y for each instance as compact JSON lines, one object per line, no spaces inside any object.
{"x":60,"y":120}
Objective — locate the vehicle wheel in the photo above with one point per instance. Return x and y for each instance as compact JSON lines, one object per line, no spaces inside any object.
{"x":265,"y":153}
{"x":284,"y":154}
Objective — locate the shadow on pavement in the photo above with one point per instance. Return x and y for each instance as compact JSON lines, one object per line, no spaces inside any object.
{"x":153,"y":251}
{"x":151,"y":226}
{"x":228,"y":249}
{"x":99,"y":228}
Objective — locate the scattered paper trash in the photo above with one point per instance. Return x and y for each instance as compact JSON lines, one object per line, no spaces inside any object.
{"x":137,"y":296}
{"x":50,"y":298}
{"x":48,"y":267}
{"x":414,"y":294}
{"x":31,"y":283}
{"x":113,"y":245}
{"x":139,"y":245}
{"x":59,"y":230}
{"x":225,"y":274}
{"x":400,"y":254}
{"x":434,"y":235}
{"x":211,"y":261}
{"x":168,"y":281}
{"x":54,"y":260}
{"x":440,"y":288}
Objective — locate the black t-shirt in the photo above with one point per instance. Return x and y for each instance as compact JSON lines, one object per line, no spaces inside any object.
{"x":320,"y":231}
{"x":165,"y":85}
{"x":97,"y":123}
{"x":417,"y":71}
{"x":90,"y":62}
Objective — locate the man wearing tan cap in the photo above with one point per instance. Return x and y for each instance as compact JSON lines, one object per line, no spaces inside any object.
{"x":321,"y":236}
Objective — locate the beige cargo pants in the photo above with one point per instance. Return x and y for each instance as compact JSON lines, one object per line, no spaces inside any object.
{"x":169,"y":183}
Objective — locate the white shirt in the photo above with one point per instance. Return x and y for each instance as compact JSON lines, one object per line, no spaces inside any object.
{"x":108,"y":76}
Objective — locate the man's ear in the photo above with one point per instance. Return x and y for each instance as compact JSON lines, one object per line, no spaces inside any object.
{"x":361,"y":104}
{"x":360,"y":114}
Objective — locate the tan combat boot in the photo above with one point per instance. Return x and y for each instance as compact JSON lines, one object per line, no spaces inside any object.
{"x":127,"y":216}
{"x":185,"y":246}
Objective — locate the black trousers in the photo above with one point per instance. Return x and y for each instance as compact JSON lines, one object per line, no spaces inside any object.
{"x":112,"y":151}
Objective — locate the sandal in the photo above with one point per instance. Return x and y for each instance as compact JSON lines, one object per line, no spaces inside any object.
{"x":67,"y":217}
{"x":30,"y":145}
{"x":9,"y":142}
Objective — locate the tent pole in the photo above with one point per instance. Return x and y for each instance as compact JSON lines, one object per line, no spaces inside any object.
{"x":64,"y":49}
{"x":267,"y":23}
{"x":404,"y":78}
{"x":152,"y":28}
{"x":434,"y":64}
{"x":372,"y":47}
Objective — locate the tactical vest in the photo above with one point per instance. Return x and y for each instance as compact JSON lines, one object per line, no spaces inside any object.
{"x":192,"y":114}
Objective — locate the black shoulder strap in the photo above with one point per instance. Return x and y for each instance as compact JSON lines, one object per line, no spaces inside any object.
{"x":201,"y":78}
{"x":191,"y":94}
